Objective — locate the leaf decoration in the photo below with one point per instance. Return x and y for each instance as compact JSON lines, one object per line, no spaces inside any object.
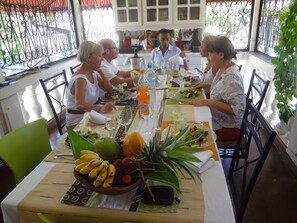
{"x":78,"y":143}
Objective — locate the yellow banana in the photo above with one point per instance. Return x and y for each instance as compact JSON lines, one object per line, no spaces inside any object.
{"x":108,"y":181}
{"x":89,"y":156}
{"x":100,"y":179}
{"x":83,"y":152}
{"x":78,"y":161}
{"x":80,"y":166}
{"x":111,"y":170}
{"x":95,"y":172}
{"x":91,"y":165}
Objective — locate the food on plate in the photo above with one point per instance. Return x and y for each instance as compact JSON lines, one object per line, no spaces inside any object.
{"x":113,"y":95}
{"x":189,"y":93}
{"x":198,"y":134}
{"x":88,"y":135}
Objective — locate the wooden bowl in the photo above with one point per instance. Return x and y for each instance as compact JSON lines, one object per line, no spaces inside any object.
{"x":109,"y":190}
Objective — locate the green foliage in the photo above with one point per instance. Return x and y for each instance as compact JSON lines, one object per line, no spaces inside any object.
{"x":286,"y":61}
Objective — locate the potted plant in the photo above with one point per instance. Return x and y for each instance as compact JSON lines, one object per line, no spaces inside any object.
{"x":286,"y":62}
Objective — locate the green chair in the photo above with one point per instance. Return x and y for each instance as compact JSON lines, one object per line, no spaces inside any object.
{"x":24,"y":148}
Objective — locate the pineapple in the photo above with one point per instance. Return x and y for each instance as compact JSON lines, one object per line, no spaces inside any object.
{"x":163,"y":161}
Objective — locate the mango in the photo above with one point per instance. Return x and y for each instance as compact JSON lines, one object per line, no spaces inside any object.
{"x":108,"y":149}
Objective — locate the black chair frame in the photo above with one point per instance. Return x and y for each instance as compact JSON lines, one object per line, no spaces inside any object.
{"x":51,"y":84}
{"x":259,"y":137}
{"x":73,"y":68}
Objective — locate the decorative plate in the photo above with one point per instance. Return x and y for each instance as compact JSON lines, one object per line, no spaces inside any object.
{"x":109,"y":190}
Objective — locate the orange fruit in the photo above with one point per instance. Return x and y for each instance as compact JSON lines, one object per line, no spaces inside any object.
{"x":133,"y":143}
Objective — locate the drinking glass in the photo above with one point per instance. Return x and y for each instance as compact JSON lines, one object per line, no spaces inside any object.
{"x":124,"y":117}
{"x":112,"y":125}
{"x":145,"y":111}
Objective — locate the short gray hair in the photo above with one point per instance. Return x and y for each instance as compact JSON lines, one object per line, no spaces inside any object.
{"x":86,"y":49}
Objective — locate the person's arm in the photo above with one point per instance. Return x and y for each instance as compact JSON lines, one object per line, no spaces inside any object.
{"x":201,"y":85}
{"x":124,"y":74}
{"x":221,"y":106}
{"x":185,"y":60}
{"x":117,"y":80}
{"x":104,"y":83}
{"x":80,"y":89}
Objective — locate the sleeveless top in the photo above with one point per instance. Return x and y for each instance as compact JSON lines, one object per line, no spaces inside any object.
{"x":91,"y":97}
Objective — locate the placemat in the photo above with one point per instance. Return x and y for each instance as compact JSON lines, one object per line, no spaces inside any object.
{"x":185,"y":112}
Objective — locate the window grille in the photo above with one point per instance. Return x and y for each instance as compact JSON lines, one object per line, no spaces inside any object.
{"x":34,"y":33}
{"x":230,"y":18}
{"x":268,"y":29}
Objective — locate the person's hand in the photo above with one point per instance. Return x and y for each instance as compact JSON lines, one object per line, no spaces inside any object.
{"x":198,"y":86}
{"x":108,"y":107}
{"x":182,"y":54}
{"x":202,"y":102}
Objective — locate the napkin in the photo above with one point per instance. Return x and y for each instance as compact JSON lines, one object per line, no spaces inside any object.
{"x":97,"y":118}
{"x":206,"y":160}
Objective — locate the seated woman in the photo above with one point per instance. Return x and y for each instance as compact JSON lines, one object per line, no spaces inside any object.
{"x":227,"y":98}
{"x":84,"y":85}
{"x":209,"y":72}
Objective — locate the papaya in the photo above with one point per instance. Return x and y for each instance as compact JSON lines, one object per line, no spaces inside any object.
{"x":133,"y":143}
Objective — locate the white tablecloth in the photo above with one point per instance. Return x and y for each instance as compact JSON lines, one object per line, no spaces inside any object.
{"x":218,"y":207}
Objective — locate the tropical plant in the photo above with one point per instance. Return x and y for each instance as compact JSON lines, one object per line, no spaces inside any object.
{"x":286,"y":62}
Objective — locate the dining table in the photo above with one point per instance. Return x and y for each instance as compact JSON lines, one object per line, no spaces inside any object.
{"x":49,"y":188}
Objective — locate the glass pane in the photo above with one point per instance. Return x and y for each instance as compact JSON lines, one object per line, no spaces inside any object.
{"x":163,"y":14}
{"x":132,"y":3}
{"x":121,"y":3}
{"x":151,"y":3}
{"x":194,"y":13}
{"x":182,"y":2}
{"x":182,"y":13}
{"x":133,"y":15}
{"x":163,"y":2}
{"x":122,"y":16}
{"x":151,"y":15}
{"x":194,"y":1}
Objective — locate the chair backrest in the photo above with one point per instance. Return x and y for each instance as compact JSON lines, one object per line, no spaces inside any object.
{"x":74,"y":68}
{"x":259,"y":137}
{"x":55,"y":89}
{"x":25,"y":147}
{"x":257,"y":89}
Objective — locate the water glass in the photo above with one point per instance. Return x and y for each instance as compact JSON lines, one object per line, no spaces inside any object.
{"x":112,"y":125}
{"x":124,"y":117}
{"x":145,"y":111}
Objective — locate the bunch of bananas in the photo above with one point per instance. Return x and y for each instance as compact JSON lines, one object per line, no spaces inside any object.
{"x":99,"y":171}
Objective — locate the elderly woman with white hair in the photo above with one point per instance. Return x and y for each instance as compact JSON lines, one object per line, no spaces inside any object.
{"x":84,"y":85}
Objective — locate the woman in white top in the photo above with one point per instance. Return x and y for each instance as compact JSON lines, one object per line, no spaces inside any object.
{"x":84,"y":85}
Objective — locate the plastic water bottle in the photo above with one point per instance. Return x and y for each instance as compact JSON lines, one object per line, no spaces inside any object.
{"x":151,"y":78}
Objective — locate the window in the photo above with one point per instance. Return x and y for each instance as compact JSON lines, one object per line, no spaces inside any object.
{"x":268,"y":30}
{"x":34,"y":33}
{"x":230,"y":18}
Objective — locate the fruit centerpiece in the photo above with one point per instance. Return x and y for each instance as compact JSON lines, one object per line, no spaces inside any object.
{"x":107,"y":167}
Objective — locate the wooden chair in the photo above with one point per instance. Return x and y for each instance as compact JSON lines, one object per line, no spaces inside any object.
{"x":74,"y":68}
{"x":258,"y":137}
{"x":55,"y":89}
{"x":256,"y":92}
{"x":24,"y":148}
